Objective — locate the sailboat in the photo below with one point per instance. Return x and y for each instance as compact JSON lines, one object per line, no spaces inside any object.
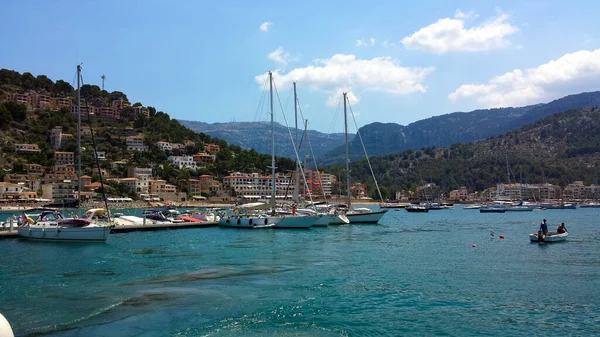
{"x":359,"y":215}
{"x":270,"y":219}
{"x":50,"y":224}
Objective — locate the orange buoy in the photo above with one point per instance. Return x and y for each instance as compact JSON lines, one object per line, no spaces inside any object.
{"x":474,"y":245}
{"x":501,"y":236}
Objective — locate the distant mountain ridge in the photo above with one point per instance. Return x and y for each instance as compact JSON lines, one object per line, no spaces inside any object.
{"x":458,"y":127}
{"x":257,"y":136}
{"x":387,"y":138}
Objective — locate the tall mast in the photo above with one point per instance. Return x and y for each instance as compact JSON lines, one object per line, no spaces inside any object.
{"x":305,"y":128}
{"x":347,"y":154}
{"x":272,"y":144}
{"x":78,"y":139}
{"x":297,"y":180}
{"x":508,"y":175}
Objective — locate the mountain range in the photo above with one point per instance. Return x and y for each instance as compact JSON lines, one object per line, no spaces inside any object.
{"x":257,"y":136}
{"x":387,"y":138}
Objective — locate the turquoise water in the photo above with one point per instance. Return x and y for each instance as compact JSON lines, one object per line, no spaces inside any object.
{"x":415,"y":274}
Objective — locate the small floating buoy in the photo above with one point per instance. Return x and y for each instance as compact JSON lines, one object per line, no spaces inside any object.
{"x":474,"y":245}
{"x":501,"y":236}
{"x":5,"y":329}
{"x":492,"y":233}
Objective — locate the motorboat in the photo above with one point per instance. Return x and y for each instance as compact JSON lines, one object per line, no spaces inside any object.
{"x":416,"y":208}
{"x":52,"y":226}
{"x":492,"y":209}
{"x":551,"y":237}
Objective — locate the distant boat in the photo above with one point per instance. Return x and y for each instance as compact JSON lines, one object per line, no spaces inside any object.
{"x":416,"y":209}
{"x":590,"y":205}
{"x":473,"y":207}
{"x":562,"y":206}
{"x":492,"y":209}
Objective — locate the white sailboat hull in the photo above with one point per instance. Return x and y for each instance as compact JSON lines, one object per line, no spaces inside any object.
{"x":297,"y":222}
{"x":53,"y":233}
{"x":242,"y":222}
{"x":326,"y":220}
{"x":365,"y":218}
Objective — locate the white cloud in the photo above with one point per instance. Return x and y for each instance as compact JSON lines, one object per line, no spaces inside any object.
{"x":579,"y":71}
{"x":451,"y":35}
{"x":361,"y":43}
{"x":264,"y":27}
{"x":462,"y":15}
{"x":281,"y":57}
{"x":372,"y":41}
{"x":347,"y":73}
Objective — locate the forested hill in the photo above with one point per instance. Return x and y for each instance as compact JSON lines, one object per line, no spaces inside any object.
{"x":458,"y":127}
{"x":257,"y":136}
{"x":559,"y":149}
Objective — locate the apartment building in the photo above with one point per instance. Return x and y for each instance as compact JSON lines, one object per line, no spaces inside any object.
{"x":165,"y":146}
{"x":10,"y":190}
{"x":183,"y":162}
{"x":35,"y":169}
{"x":85,"y":110}
{"x":135,"y":143}
{"x":204,"y":159}
{"x":256,"y":186}
{"x":212,"y":148}
{"x":140,"y":110}
{"x":27,"y":148}
{"x":59,"y":191}
{"x":120,"y":104}
{"x":29,"y":181}
{"x":64,"y":158}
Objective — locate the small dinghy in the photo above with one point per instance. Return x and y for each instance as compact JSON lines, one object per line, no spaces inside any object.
{"x":551,"y":237}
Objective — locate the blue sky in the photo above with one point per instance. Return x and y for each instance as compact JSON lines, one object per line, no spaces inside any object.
{"x":206,"y":61}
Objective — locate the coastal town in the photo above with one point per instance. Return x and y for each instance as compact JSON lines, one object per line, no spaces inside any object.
{"x":34,"y":184}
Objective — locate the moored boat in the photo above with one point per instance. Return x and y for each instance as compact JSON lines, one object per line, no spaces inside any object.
{"x":416,"y":209}
{"x":50,"y":225}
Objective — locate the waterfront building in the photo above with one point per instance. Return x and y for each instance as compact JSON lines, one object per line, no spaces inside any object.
{"x":256,"y":186}
{"x":461,"y":194}
{"x":10,"y":190}
{"x":62,"y":191}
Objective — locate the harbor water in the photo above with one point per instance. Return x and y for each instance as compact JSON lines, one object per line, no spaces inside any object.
{"x":436,"y":273}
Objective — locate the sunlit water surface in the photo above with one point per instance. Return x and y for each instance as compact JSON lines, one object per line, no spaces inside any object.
{"x":414,"y":274}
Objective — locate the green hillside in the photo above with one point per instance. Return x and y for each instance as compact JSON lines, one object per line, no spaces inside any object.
{"x":20,"y":123}
{"x":559,"y":149}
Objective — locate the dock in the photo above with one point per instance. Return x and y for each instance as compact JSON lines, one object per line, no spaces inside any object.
{"x":7,"y":234}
